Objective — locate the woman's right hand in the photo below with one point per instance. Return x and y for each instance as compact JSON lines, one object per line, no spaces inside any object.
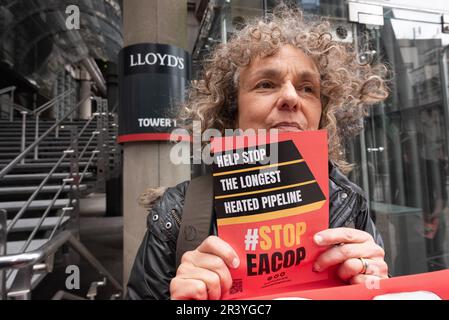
{"x":204,"y":272}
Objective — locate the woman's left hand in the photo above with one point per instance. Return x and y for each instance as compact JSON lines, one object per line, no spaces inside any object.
{"x":359,"y":257}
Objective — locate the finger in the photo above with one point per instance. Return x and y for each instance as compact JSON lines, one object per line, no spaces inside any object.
{"x":214,"y":264}
{"x":210,"y":278}
{"x":216,"y":246}
{"x":349,"y":269}
{"x":339,"y":254}
{"x":187,"y":289}
{"x":334,"y":236}
{"x":353,"y":267}
{"x":370,"y":282}
{"x":377,"y":267}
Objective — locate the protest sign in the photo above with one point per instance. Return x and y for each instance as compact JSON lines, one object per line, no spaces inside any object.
{"x":270,"y":198}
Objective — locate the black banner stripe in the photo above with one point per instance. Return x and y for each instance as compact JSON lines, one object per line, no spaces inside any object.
{"x":310,"y":193}
{"x":282,"y":152}
{"x":284,"y":175}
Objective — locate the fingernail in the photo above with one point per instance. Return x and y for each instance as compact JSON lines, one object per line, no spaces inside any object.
{"x":318,"y":239}
{"x":235,"y":263}
{"x":316,"y":268}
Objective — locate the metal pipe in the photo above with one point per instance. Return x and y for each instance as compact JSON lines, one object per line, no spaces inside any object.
{"x":85,"y":126}
{"x":24,"y":124}
{"x":82,"y":250}
{"x":23,"y":260}
{"x":55,"y":228}
{"x":88,"y":164}
{"x":402,"y":7}
{"x":87,"y":144}
{"x":63,"y":295}
{"x":7,"y":89}
{"x":115,"y":108}
{"x":11,"y":110}
{"x":50,"y":103}
{"x":3,"y":252}
{"x":57,"y":127}
{"x":92,"y":67}
{"x":36,"y":136}
{"x":444,"y":70}
{"x":41,"y":220}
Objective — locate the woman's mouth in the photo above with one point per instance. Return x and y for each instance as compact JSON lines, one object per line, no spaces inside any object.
{"x":287,"y":126}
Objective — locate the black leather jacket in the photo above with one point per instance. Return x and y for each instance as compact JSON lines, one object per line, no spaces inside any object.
{"x":154,"y":266}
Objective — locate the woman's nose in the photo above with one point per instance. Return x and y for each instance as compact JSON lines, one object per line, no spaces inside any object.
{"x":289,"y":98}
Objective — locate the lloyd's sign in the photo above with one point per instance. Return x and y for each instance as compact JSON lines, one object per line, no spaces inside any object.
{"x":151,"y":59}
{"x":153,"y":79}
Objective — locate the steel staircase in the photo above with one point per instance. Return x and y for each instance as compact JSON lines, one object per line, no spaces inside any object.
{"x":46,"y":166}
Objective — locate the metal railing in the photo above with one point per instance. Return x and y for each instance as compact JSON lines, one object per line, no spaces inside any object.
{"x":3,"y":243}
{"x":23,"y":154}
{"x":26,"y":262}
{"x":73,"y":180}
{"x":37,"y":113}
{"x":9,"y":90}
{"x":12,"y":106}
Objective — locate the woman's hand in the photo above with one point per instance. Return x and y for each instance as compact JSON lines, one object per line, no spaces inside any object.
{"x":345,"y":248}
{"x":204,"y":272}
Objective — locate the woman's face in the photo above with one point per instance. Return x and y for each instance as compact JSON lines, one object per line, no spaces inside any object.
{"x":280,"y":92}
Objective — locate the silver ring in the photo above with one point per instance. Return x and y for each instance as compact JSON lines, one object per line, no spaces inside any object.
{"x":365,"y":265}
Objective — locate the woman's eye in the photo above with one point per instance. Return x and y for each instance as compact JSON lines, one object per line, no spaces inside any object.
{"x":308,"y":89}
{"x":265,"y":85}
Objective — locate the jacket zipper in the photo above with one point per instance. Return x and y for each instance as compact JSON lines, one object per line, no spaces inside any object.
{"x":175,"y":216}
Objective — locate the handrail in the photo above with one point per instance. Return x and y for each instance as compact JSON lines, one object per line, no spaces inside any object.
{"x":41,"y":220}
{"x":23,"y":260}
{"x":31,"y":198}
{"x":88,"y":164}
{"x":50,"y":103}
{"x":58,"y":223}
{"x":115,"y":108}
{"x":20,"y":108}
{"x":7,"y":89}
{"x":22,"y":155}
{"x":86,"y":125}
{"x":94,"y":134}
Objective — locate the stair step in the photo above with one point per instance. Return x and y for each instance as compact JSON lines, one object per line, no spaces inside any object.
{"x":45,"y":189}
{"x":35,"y":280}
{"x":56,"y":143}
{"x":13,"y":206}
{"x":41,"y":122}
{"x":29,"y":224}
{"x":42,"y":154}
{"x":47,"y":165}
{"x":39,"y":176}
{"x":13,"y":247}
{"x":18,"y":140}
{"x":43,"y":148}
{"x":43,"y":160}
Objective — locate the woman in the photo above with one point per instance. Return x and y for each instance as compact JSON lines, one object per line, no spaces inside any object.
{"x":279,"y":73}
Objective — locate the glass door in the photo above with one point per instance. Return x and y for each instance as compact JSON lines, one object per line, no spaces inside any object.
{"x":402,"y":154}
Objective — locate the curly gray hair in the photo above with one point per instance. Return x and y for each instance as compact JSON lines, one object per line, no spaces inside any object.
{"x":347,"y":87}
